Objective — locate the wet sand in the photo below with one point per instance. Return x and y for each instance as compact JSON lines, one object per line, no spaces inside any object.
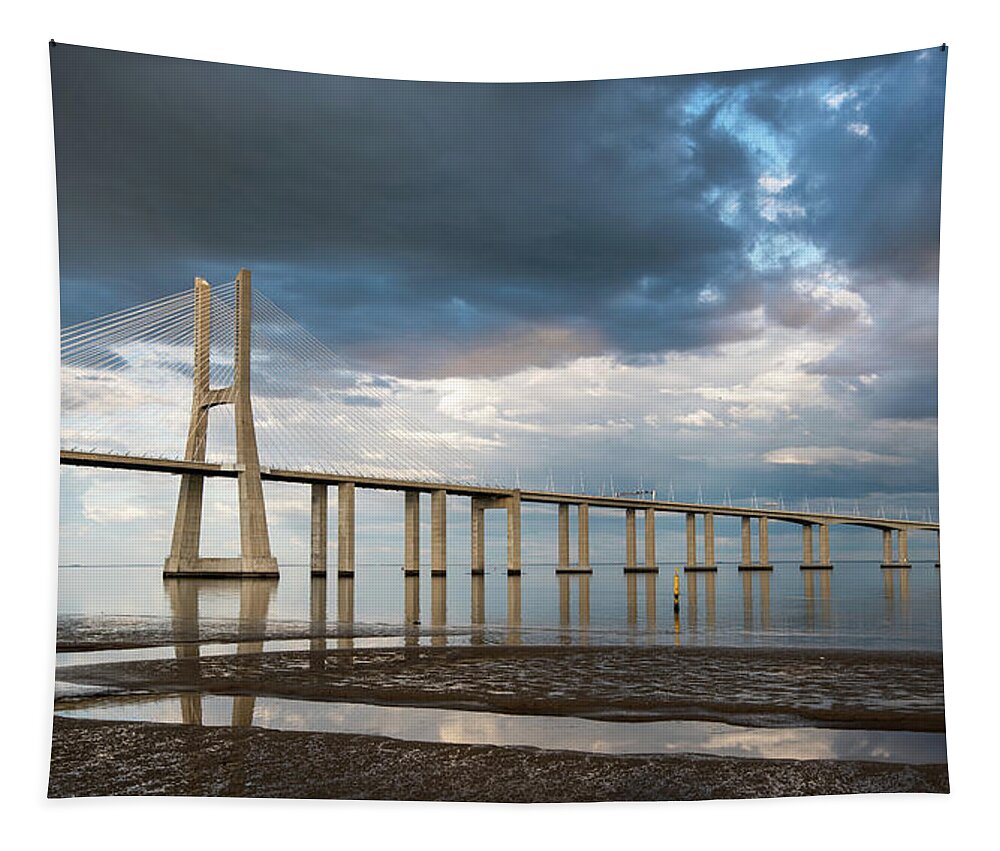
{"x":110,"y":758}
{"x":883,"y":691}
{"x":751,"y":687}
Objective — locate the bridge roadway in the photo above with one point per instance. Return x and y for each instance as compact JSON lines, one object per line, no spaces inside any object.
{"x":484,"y":497}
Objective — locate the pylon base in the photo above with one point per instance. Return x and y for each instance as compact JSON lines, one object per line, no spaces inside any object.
{"x":222,"y":568}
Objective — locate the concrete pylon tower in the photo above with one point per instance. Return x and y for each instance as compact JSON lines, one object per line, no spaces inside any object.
{"x":255,"y":557}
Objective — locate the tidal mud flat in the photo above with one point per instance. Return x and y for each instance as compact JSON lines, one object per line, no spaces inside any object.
{"x":879,"y":690}
{"x":108,"y":758}
{"x":775,"y":689}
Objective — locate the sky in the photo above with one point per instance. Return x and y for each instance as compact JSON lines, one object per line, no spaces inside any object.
{"x":712,"y":284}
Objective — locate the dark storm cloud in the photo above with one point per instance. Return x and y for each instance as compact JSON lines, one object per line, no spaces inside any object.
{"x":399,"y":219}
{"x":870,"y":167}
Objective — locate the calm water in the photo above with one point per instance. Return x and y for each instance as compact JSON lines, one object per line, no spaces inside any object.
{"x":856,"y":605}
{"x":457,"y":726}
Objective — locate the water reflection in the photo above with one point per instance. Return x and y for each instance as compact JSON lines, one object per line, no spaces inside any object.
{"x":478,"y":610}
{"x":631,"y":603}
{"x":566,"y":583}
{"x":858,"y":605}
{"x":411,"y":610}
{"x":345,"y":612}
{"x":563,"y":580}
{"x":762,"y":579}
{"x":701,"y":583}
{"x":809,"y":581}
{"x":893,"y":580}
{"x":553,"y":732}
{"x":317,"y":623}
{"x":184,"y":605}
{"x":710,"y":604}
{"x":254,"y":601}
{"x":649,"y":602}
{"x":514,"y":608}
{"x":439,"y":610}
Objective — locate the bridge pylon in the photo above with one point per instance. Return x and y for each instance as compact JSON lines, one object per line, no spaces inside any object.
{"x":255,"y":557}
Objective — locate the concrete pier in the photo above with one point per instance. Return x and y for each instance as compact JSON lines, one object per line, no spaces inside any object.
{"x":583,"y":537}
{"x":824,"y":547}
{"x":563,"y":537}
{"x":411,"y":600}
{"x":710,"y":541}
{"x":345,"y":529}
{"x":763,"y":555}
{"x":478,"y":527}
{"x":692,"y":544}
{"x":649,"y":530}
{"x":630,"y":542}
{"x":902,"y":548}
{"x":439,"y":533}
{"x":411,"y":534}
{"x":318,"y":532}
{"x":583,"y":540}
{"x":514,"y":533}
{"x":807,"y":547}
{"x":808,"y":560}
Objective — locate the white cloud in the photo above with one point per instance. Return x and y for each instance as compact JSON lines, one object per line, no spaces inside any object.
{"x":831,"y":298}
{"x":774,"y":208}
{"x":698,"y":419}
{"x":836,"y":99}
{"x":837,"y":456}
{"x":859,"y":128}
{"x":773,"y":185}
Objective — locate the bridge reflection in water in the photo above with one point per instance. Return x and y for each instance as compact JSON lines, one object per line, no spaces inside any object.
{"x":251,"y":630}
{"x":562,"y":610}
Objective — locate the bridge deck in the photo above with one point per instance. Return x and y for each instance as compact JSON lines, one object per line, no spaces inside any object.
{"x":160,"y":465}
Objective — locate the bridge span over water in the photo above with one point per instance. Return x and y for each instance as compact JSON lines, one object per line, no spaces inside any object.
{"x":255,"y":558}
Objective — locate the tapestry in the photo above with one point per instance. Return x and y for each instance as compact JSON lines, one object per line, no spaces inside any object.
{"x":513,"y":442}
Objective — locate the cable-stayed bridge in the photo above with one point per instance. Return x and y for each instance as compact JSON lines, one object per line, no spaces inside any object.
{"x":140,"y":387}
